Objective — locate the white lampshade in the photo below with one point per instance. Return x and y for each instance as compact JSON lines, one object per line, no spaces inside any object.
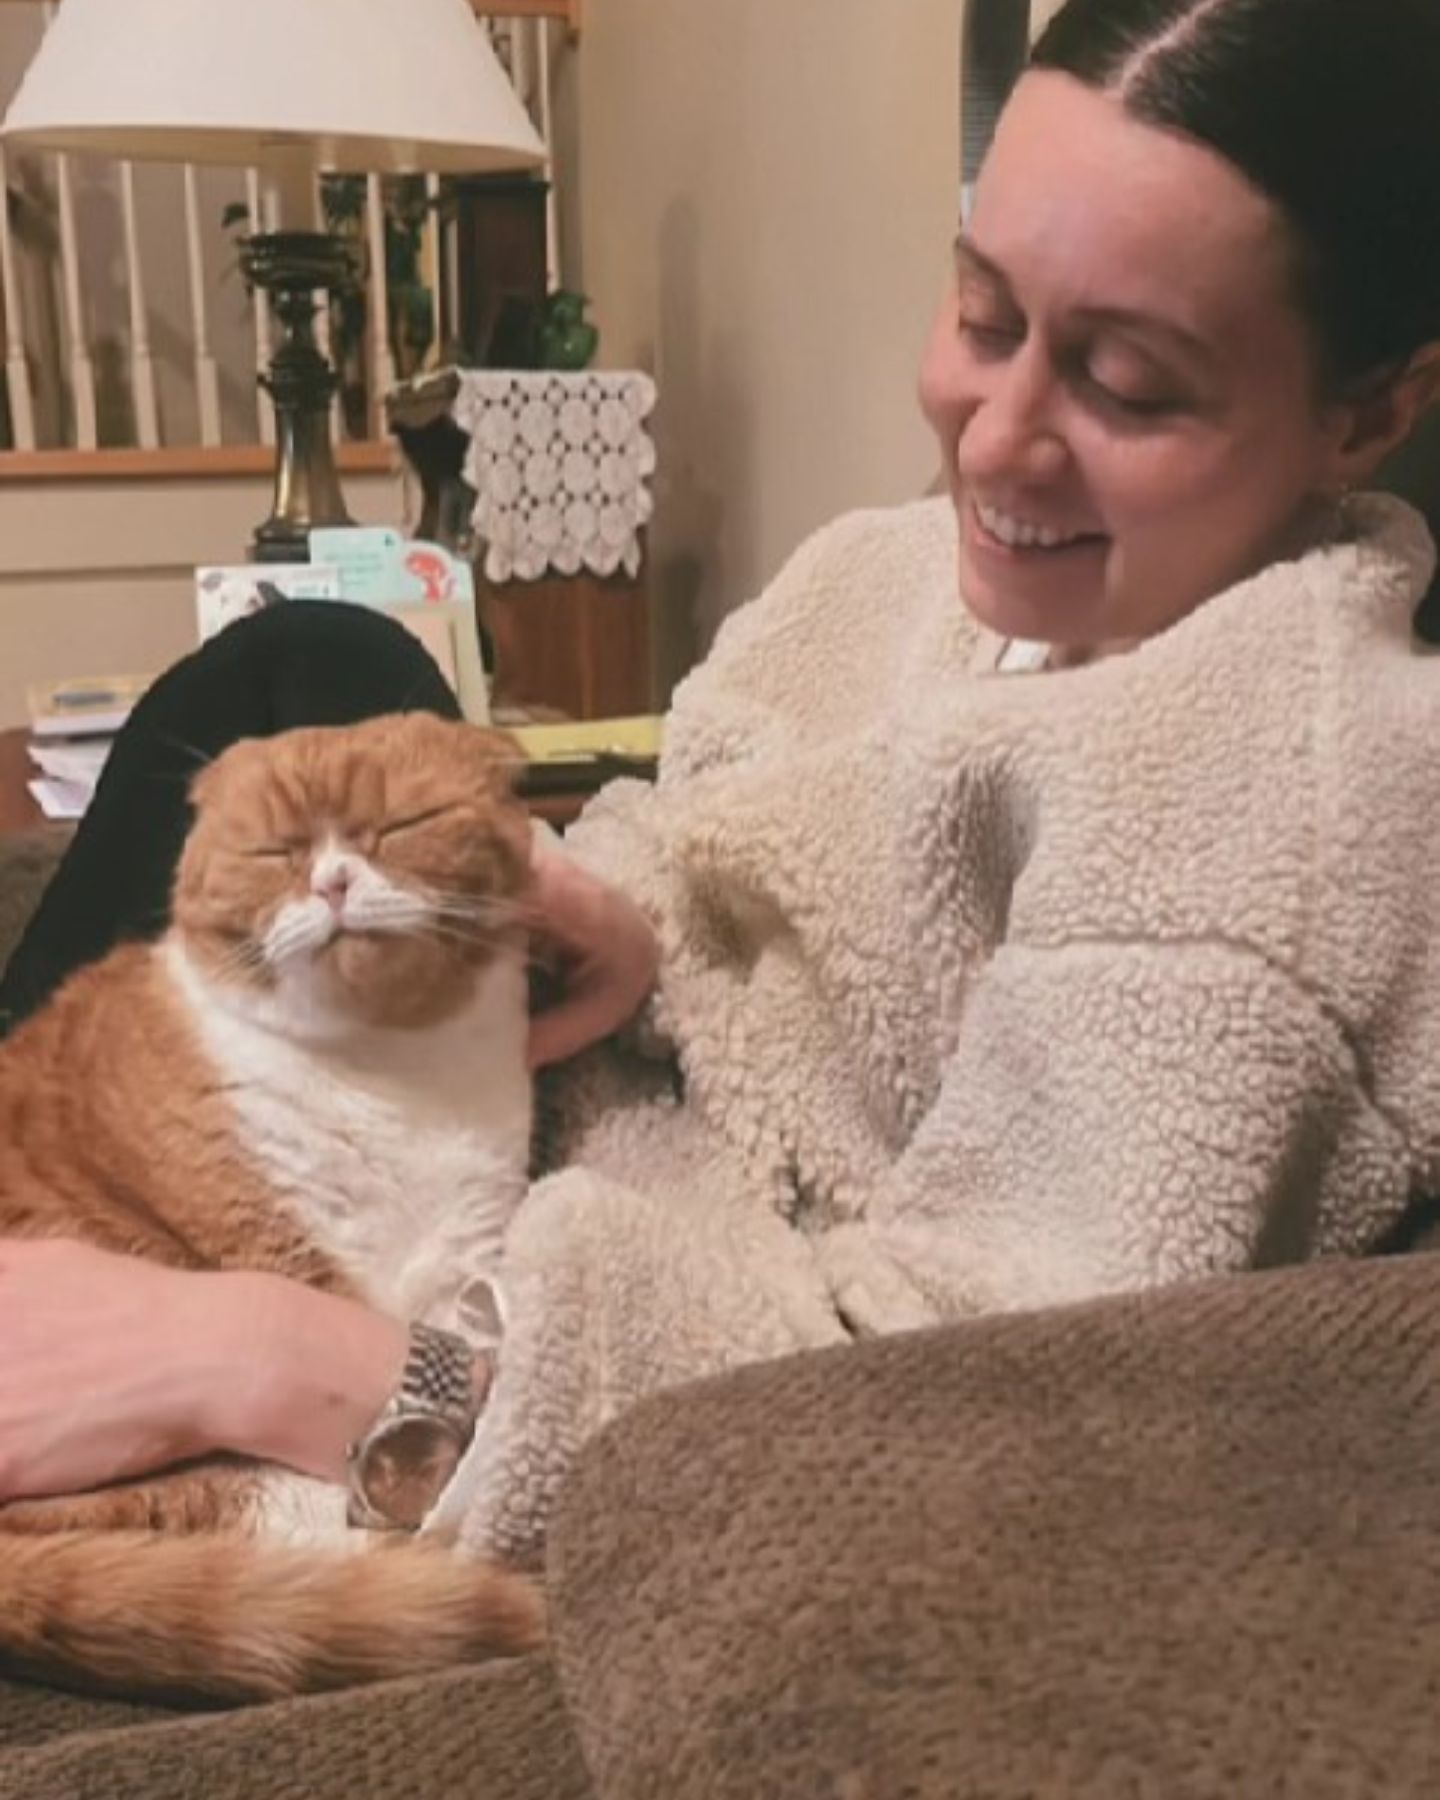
{"x":356,"y":85}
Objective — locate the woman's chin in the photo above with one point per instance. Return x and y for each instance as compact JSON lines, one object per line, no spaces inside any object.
{"x":1048,"y":606}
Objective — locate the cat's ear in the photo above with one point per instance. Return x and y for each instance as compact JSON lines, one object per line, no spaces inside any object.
{"x":499,"y":758}
{"x":207,"y":778}
{"x":202,"y":784}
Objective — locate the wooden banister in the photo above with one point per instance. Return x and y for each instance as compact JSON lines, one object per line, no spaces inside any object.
{"x":568,"y":11}
{"x":374,"y":457}
{"x":53,"y":364}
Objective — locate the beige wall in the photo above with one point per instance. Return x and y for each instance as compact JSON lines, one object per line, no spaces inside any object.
{"x":766,"y":194}
{"x":97,"y":578}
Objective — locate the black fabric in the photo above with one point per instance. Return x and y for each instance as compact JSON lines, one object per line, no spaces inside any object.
{"x":304,"y":663}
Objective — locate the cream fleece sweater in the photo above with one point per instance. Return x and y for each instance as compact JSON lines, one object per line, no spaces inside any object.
{"x":989,"y":991}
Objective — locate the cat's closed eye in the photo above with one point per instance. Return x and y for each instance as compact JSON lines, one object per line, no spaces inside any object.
{"x":412,"y":821}
{"x":273,"y":852}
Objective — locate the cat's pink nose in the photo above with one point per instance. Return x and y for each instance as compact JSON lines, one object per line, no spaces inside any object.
{"x":333,"y":887}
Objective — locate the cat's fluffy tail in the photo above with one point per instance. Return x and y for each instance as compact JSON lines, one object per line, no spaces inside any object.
{"x":226,"y":1617}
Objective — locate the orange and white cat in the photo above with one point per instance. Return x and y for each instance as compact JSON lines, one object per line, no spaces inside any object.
{"x":319,"y":1071}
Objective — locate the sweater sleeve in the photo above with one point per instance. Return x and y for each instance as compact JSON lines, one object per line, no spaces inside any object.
{"x":803,"y":660}
{"x":1113,"y":1115}
{"x":722,"y":716}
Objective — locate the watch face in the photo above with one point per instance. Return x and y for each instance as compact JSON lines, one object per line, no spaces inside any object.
{"x":405,"y":1466}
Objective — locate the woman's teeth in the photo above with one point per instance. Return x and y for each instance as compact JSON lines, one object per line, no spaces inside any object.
{"x":1020,"y":534}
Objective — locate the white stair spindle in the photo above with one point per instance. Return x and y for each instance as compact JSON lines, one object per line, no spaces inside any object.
{"x":522,"y":71}
{"x":325,"y":342}
{"x":450,"y":269}
{"x":265,"y":411}
{"x":207,"y":375}
{"x":545,"y":57}
{"x":382,"y":359}
{"x":17,"y":367}
{"x":431,"y":268}
{"x":142,"y":364}
{"x":81,"y":369}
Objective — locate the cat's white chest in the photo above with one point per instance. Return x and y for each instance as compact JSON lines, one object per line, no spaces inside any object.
{"x":402,"y":1155}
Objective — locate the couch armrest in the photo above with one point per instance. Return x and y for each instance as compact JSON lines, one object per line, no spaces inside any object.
{"x":1179,"y":1545}
{"x":27,"y":861}
{"x":498,"y":1732}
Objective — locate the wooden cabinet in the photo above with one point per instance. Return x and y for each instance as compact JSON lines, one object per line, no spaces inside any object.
{"x":577,"y":645}
{"x":573,"y":644}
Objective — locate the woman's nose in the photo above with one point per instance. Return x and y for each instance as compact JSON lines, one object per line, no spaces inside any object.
{"x":1010,"y":435}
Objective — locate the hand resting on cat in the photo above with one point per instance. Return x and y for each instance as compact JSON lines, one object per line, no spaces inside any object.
{"x":319,"y":1074}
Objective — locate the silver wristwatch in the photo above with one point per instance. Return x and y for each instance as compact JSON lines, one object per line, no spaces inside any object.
{"x":399,"y":1468}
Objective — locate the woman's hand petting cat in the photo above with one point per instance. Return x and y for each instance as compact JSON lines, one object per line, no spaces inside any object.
{"x":602,"y":951}
{"x":111,"y":1367}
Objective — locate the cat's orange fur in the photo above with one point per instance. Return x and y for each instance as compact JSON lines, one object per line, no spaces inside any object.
{"x":113,"y":1128}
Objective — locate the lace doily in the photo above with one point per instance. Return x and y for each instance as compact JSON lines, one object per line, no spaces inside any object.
{"x":559,"y":463}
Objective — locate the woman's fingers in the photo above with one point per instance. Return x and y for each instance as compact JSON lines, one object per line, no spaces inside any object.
{"x":605,"y":956}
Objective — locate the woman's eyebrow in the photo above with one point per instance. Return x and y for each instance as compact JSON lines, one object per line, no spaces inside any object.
{"x":1186,"y":342}
{"x":969,"y":260}
{"x":972,"y":261}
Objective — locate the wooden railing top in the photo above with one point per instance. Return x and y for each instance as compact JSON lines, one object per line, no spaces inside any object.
{"x":181,"y":462}
{"x":566,"y":10}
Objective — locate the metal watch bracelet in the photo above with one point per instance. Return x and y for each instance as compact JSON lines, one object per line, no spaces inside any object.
{"x":399,"y":1467}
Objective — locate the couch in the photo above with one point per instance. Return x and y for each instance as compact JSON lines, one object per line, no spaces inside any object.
{"x":1179,"y":1545}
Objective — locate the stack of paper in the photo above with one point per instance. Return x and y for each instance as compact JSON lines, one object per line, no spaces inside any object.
{"x":72,"y":726}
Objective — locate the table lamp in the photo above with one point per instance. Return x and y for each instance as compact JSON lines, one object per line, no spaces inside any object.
{"x":293,"y":88}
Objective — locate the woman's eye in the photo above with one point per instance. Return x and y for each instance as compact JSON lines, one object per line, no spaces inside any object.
{"x":992,"y":337}
{"x":1134,"y":406}
{"x":1138,"y":392}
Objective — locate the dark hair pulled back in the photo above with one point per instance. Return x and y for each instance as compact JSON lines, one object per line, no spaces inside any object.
{"x":1329,"y":107}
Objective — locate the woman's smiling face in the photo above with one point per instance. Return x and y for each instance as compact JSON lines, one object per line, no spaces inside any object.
{"x":1123,"y":383}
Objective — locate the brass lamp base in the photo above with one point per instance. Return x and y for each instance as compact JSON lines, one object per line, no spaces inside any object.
{"x":291,"y":267}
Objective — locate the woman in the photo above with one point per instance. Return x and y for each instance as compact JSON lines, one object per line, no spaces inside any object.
{"x":990,"y":989}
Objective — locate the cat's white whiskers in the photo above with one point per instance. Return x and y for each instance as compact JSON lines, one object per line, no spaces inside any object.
{"x":439,"y":896}
{"x":302,"y":927}
{"x":382,"y":913}
{"x":482,"y":921}
{"x":245,"y":958}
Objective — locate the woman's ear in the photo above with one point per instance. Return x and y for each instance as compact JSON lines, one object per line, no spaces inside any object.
{"x":1378,"y":420}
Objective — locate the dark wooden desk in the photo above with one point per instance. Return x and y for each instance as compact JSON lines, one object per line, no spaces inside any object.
{"x":18,"y":812}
